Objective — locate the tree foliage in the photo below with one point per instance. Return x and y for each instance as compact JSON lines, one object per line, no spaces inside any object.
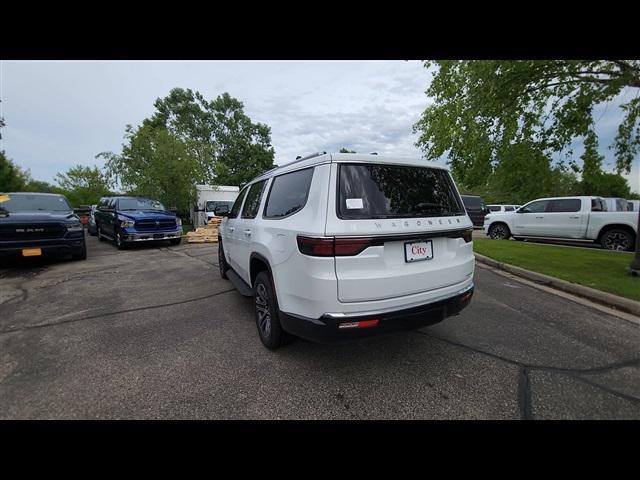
{"x":83,"y":185}
{"x":12,"y":177}
{"x":482,"y":110}
{"x":190,"y":140}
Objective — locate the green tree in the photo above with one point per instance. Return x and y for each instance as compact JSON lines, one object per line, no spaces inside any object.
{"x":229,"y":147}
{"x":190,"y":140}
{"x":83,"y":185}
{"x":12,"y":177}
{"x":40,"y":186}
{"x":481,"y":107}
{"x":155,"y":163}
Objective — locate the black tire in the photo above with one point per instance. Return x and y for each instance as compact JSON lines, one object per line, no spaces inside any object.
{"x":618,"y":239}
{"x":499,"y":231}
{"x":222,"y":261}
{"x":80,"y":254}
{"x":175,"y":241}
{"x":267,"y":313}
{"x":100,"y":237}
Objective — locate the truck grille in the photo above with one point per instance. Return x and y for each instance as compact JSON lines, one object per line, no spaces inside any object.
{"x":31,"y":231}
{"x":151,"y":225}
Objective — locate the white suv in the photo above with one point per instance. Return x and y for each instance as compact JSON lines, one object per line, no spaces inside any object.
{"x":341,"y":246}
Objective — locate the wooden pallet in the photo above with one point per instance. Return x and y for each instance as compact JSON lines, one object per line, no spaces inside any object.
{"x":205,"y":234}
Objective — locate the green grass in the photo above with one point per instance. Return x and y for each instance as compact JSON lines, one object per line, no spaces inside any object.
{"x":600,"y":269}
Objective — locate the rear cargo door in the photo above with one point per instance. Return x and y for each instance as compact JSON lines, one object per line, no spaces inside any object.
{"x":398,"y":229}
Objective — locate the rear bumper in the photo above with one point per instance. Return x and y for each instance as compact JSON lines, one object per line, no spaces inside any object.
{"x":326,"y":329}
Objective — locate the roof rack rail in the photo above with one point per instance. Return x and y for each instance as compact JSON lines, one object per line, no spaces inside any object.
{"x":300,"y":159}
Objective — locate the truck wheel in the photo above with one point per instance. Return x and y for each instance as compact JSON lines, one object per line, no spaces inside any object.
{"x":617,"y":239}
{"x":267,"y":313}
{"x":222,"y":261}
{"x":499,"y":231}
{"x":80,"y":254}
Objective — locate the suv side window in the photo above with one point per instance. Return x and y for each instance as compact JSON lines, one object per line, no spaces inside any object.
{"x":509,"y":209}
{"x":236,"y":205}
{"x":536,"y":207}
{"x":565,"y":205}
{"x":251,"y":205}
{"x":288,"y":193}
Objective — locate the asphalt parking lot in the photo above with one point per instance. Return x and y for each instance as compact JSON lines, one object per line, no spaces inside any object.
{"x":154,"y":333}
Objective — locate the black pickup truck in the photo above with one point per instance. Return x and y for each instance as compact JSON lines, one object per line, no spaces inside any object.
{"x":37,"y":224}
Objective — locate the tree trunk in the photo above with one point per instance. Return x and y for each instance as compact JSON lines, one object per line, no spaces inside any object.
{"x":634,"y":268}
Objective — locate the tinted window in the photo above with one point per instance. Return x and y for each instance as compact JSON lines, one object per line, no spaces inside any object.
{"x":509,"y":208}
{"x":139,"y":204}
{"x":31,"y":203}
{"x":565,"y":205}
{"x":598,"y":205}
{"x":250,"y":209}
{"x":288,"y":193}
{"x":394,"y":191}
{"x":536,"y":207}
{"x":236,"y":205}
{"x":211,"y":205}
{"x":494,"y":208}
{"x":472,"y":203}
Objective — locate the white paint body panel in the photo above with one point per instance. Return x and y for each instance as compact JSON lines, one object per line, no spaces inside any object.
{"x":376,"y":279}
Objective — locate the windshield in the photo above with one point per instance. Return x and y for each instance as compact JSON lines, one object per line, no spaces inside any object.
{"x":213,"y":204}
{"x":395,"y":191}
{"x":139,"y":204}
{"x":30,"y":203}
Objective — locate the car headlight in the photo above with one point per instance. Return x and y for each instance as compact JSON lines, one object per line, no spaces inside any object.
{"x":75,"y":227}
{"x":179,"y":222}
{"x":127,"y":223}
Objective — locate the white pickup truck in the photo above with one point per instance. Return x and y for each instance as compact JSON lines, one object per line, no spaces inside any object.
{"x":583,"y":219}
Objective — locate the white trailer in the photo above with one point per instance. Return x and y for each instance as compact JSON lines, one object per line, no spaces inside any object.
{"x":208,"y":197}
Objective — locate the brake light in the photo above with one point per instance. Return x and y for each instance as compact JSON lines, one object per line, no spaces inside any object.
{"x":360,"y":324}
{"x":329,"y":247}
{"x":316,"y":247}
{"x":351,"y":246}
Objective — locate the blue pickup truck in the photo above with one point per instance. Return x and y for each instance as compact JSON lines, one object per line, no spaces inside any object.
{"x":128,"y":220}
{"x":39,"y":224}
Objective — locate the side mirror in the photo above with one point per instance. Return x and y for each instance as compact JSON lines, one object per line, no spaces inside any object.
{"x":221,"y":211}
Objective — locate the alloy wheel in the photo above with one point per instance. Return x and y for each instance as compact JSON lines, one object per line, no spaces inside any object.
{"x":616,"y":241}
{"x":262,"y":309}
{"x":498,"y":232}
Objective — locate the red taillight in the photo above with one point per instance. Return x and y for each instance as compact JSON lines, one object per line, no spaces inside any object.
{"x":351,"y":246}
{"x":360,"y":324}
{"x":317,"y":247}
{"x":328,"y":247}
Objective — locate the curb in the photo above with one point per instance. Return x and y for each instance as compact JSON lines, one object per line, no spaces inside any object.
{"x":598,"y":296}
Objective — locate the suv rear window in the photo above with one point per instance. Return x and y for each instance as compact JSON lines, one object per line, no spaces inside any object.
{"x":288,"y":193}
{"x":395,"y":191}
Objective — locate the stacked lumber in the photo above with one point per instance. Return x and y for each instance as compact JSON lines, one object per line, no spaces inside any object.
{"x":205,"y":234}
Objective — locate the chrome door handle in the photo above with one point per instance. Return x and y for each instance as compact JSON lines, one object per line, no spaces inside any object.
{"x":539,"y":217}
{"x":247,"y":233}
{"x":574,"y":217}
{"x":231,"y":229}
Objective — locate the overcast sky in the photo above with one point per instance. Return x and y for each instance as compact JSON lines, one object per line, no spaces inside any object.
{"x":60,"y":114}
